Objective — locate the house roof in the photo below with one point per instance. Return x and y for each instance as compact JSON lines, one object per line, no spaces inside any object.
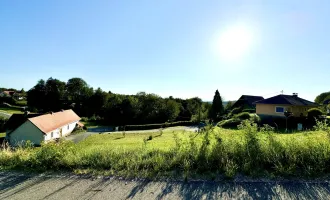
{"x":49,"y":122}
{"x":248,"y":99}
{"x":18,"y":119}
{"x":80,"y":124}
{"x":287,"y":100}
{"x":7,"y":92}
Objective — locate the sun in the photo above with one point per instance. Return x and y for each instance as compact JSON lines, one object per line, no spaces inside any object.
{"x":234,"y":42}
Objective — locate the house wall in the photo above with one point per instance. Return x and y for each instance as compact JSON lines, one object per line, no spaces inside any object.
{"x":66,"y":130}
{"x":27,"y":131}
{"x":269,"y":109}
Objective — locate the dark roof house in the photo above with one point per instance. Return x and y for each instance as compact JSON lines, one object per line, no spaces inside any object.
{"x":287,"y":100}
{"x":247,"y":102}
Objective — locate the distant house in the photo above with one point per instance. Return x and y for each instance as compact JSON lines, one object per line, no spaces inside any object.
{"x":247,"y":102}
{"x":38,"y":128}
{"x":277,"y":105}
{"x":7,"y":93}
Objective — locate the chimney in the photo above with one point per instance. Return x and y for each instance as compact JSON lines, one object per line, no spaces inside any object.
{"x":295,"y":95}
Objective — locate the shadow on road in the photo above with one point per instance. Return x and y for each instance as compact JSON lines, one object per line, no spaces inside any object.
{"x":17,"y":186}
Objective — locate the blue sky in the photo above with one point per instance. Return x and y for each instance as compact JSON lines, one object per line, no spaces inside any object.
{"x":169,"y":47}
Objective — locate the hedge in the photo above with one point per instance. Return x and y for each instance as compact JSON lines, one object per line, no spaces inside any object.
{"x":156,"y":126}
{"x":242,"y":116}
{"x":249,"y":110}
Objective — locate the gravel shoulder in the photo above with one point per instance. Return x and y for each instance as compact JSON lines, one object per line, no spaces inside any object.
{"x":16,"y":185}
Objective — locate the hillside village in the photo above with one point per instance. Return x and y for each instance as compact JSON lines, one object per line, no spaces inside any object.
{"x":38,"y":122}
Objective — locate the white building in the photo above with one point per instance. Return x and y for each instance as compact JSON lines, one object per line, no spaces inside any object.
{"x":38,"y":128}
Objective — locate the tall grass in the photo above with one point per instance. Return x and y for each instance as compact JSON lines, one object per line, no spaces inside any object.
{"x":250,"y":150}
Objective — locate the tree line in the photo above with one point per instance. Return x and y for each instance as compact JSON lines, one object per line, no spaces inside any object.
{"x":118,"y":109}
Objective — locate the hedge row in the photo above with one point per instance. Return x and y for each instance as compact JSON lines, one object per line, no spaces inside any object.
{"x":156,"y":126}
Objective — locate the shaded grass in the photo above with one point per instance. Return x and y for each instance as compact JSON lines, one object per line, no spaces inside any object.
{"x":183,"y":154}
{"x":11,"y":110}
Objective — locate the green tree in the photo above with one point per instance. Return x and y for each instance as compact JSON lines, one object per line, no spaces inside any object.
{"x":36,"y":96}
{"x":54,"y":94}
{"x":217,"y":107}
{"x":76,"y":89}
{"x":322,"y":97}
{"x":228,"y":106}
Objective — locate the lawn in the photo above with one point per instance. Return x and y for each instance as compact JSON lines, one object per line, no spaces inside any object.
{"x":214,"y":152}
{"x":11,"y":110}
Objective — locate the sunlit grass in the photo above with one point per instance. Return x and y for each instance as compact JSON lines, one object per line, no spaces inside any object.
{"x":215,"y":151}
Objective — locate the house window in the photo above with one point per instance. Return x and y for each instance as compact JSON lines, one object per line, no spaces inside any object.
{"x":68,"y":127}
{"x":51,"y":135}
{"x":279,"y":109}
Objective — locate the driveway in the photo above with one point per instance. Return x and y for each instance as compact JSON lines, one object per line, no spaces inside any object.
{"x":17,"y":185}
{"x":79,"y":137}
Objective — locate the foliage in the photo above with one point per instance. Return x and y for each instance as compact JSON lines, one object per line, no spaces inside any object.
{"x":314,"y":113}
{"x":242,"y":116}
{"x":3,"y":121}
{"x":229,"y":123}
{"x":113,"y":109}
{"x":216,"y":151}
{"x":322,"y":97}
{"x":235,"y":111}
{"x":249,"y":110}
{"x":228,"y":106}
{"x":217,"y":107}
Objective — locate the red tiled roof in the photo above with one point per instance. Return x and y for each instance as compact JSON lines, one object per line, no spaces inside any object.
{"x":49,"y":122}
{"x":80,"y":124}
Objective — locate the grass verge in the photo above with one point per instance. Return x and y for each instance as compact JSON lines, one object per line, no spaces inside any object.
{"x":215,"y":151}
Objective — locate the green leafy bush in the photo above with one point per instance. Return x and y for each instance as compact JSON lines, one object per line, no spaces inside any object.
{"x":242,"y":116}
{"x":84,"y":119}
{"x":235,"y":111}
{"x":249,"y":110}
{"x":230,"y":123}
{"x":314,"y":113}
{"x":2,"y":123}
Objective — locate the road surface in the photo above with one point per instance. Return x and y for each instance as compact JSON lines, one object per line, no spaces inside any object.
{"x":15,"y":185}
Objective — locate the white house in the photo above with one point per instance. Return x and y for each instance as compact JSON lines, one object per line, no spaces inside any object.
{"x":38,"y":128}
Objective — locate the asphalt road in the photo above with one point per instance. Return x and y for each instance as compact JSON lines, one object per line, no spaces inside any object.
{"x":15,"y":185}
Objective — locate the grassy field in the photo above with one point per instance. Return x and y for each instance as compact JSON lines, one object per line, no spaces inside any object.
{"x":11,"y":110}
{"x":212,"y":153}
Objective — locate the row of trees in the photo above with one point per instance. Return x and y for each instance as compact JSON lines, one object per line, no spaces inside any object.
{"x":142,"y":108}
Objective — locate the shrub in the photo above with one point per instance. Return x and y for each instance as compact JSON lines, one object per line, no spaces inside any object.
{"x":249,"y":110}
{"x":2,"y":123}
{"x":229,"y":123}
{"x":242,"y":116}
{"x":235,"y":111}
{"x":314,"y":113}
{"x":84,"y":119}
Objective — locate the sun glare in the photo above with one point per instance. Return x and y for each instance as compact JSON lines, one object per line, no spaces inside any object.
{"x":234,"y":42}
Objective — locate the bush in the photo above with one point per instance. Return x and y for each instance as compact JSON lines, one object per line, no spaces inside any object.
{"x":314,"y":113}
{"x":84,"y":119}
{"x":230,"y":123}
{"x":243,"y":116}
{"x":235,"y":111}
{"x":249,"y":110}
{"x":2,"y":123}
